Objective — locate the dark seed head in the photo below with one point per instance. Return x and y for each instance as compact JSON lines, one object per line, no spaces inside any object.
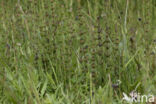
{"x":98,"y":18}
{"x":152,"y":53}
{"x":8,"y":46}
{"x":107,"y":47}
{"x":99,"y":37}
{"x":121,"y":12}
{"x":119,"y":17}
{"x":76,"y":18}
{"x":93,"y":65}
{"x":139,"y":19}
{"x":115,"y":86}
{"x":132,"y":39}
{"x":36,"y":56}
{"x":100,"y":44}
{"x":86,"y":47}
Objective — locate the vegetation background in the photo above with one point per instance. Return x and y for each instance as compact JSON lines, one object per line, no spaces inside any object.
{"x":76,"y":51}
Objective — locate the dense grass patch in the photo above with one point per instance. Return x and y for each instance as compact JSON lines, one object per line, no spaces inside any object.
{"x":76,"y":51}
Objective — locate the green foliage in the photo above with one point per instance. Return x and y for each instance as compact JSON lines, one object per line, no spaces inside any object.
{"x":73,"y":51}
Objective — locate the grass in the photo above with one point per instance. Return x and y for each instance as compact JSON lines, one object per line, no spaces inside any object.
{"x":75,"y":51}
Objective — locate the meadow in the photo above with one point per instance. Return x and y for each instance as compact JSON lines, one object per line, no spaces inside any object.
{"x":76,"y":51}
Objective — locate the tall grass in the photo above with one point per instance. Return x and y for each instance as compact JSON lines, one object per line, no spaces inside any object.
{"x":74,"y":51}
